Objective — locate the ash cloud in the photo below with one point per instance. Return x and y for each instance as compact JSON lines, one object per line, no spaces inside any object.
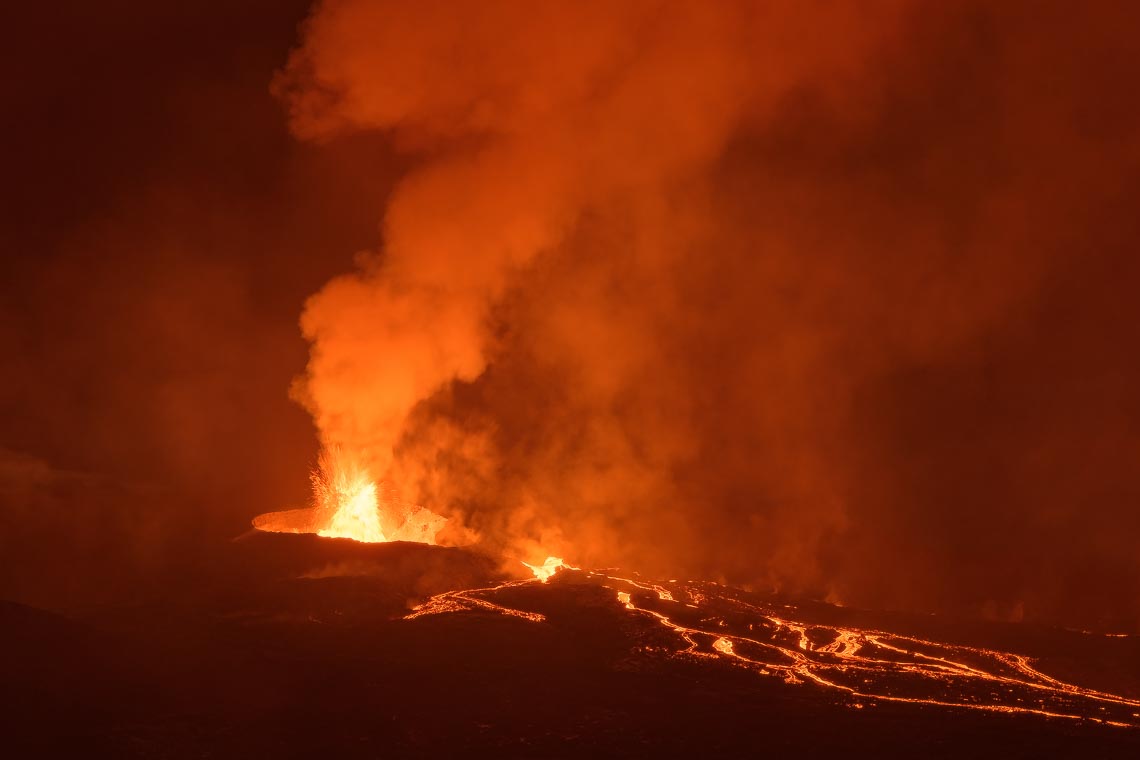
{"x":834,"y":299}
{"x":821,"y":299}
{"x":576,"y":135}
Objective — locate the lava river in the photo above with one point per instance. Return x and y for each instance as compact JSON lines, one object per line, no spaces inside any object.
{"x":712,"y":623}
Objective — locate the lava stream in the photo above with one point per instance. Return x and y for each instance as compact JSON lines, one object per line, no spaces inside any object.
{"x":714,"y":623}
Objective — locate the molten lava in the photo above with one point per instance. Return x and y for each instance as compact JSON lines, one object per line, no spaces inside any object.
{"x":348,"y":503}
{"x":547,"y":569}
{"x":707,"y":623}
{"x":356,"y":511}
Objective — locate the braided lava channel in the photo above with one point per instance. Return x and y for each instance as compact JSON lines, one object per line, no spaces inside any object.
{"x":711,"y":622}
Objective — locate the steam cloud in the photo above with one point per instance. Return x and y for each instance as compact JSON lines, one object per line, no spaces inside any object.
{"x":761,"y":291}
{"x":570,"y":135}
{"x":831,"y":297}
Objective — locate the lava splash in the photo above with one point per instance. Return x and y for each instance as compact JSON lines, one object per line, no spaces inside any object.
{"x":548,"y":568}
{"x":349,"y":503}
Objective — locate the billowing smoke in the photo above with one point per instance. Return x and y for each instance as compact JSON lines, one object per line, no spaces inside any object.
{"x":760,"y":291}
{"x":532,"y":119}
{"x":540,"y":127}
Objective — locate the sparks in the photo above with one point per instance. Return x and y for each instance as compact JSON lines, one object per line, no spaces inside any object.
{"x":357,"y":514}
{"x":349,"y":503}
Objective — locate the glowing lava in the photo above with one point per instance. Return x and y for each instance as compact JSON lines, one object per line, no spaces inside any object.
{"x":710,"y":623}
{"x":357,"y":512}
{"x":547,"y":569}
{"x":348,"y":503}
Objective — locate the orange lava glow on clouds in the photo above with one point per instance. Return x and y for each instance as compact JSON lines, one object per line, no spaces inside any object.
{"x":764,"y":268}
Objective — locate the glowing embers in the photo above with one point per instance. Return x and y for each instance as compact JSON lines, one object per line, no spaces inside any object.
{"x":547,"y":569}
{"x":348,"y":503}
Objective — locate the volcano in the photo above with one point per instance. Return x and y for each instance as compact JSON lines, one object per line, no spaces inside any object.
{"x":639,"y":379}
{"x":300,"y":646}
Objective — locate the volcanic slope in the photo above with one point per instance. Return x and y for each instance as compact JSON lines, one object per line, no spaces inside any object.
{"x":301,"y":646}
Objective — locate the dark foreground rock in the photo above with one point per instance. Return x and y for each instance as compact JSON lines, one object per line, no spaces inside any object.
{"x":291,"y":657}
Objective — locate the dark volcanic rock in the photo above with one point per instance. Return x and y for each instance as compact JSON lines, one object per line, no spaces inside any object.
{"x":294,"y":646}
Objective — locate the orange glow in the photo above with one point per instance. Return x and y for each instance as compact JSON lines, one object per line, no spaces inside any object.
{"x":357,"y":512}
{"x":866,"y":665}
{"x":348,"y":503}
{"x":547,"y":569}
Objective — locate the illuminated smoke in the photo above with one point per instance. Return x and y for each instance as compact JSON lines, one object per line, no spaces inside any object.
{"x":686,"y":286}
{"x":532,"y":120}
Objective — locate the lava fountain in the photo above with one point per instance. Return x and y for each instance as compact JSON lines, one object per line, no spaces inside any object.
{"x":349,"y":494}
{"x":349,"y":503}
{"x":547,"y":569}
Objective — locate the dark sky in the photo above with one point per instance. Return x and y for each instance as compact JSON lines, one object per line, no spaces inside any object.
{"x":160,"y":231}
{"x":884,"y":351}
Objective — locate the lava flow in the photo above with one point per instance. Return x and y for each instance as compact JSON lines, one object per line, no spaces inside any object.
{"x":707,"y":622}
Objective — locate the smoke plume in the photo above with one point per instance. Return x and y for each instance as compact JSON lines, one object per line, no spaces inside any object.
{"x":759,"y":291}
